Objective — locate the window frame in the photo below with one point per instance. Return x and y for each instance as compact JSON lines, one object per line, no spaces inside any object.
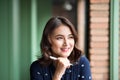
{"x":114,"y":39}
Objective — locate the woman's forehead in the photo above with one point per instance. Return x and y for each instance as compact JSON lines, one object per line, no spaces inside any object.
{"x":62,"y":29}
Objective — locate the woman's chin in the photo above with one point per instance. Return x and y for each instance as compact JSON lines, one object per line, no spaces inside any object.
{"x":65,"y":56}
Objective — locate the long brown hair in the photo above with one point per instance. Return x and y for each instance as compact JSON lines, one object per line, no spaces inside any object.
{"x":45,"y":45}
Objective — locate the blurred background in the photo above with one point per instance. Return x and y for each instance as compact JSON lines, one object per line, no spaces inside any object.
{"x":22,"y":23}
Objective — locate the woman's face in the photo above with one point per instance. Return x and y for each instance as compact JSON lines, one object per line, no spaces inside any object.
{"x":62,"y":41}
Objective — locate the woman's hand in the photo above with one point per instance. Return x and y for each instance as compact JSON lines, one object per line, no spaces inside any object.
{"x":61,"y":65}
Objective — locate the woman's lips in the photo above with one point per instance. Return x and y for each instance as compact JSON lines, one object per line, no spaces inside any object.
{"x":64,"y":49}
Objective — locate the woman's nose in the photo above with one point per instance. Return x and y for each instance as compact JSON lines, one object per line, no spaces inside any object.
{"x":65,"y":42}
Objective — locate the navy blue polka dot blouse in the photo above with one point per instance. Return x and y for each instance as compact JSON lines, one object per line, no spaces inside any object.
{"x":79,"y":71}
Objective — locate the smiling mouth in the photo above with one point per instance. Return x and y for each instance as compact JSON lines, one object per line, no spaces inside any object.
{"x":65,"y":49}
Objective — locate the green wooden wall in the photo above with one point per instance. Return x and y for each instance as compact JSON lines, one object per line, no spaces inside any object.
{"x":21,"y":25}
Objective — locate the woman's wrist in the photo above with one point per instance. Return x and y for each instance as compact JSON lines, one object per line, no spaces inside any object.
{"x":56,"y":78}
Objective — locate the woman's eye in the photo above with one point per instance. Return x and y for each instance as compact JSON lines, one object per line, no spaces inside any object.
{"x":71,"y":37}
{"x":58,"y":38}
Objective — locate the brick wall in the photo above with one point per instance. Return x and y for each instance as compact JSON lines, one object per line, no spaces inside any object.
{"x":99,"y":39}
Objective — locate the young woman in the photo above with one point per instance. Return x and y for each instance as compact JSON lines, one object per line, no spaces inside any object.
{"x":61,"y":60}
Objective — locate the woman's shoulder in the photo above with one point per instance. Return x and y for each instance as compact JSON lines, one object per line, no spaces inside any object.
{"x":83,"y":60}
{"x":35,"y":65}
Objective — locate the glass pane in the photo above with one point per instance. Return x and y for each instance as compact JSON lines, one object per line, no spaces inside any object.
{"x":67,"y":8}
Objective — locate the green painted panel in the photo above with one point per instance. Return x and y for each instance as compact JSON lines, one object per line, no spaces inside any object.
{"x":33,"y":30}
{"x":25,"y":39}
{"x":4,"y":64}
{"x":16,"y":35}
{"x":42,"y":12}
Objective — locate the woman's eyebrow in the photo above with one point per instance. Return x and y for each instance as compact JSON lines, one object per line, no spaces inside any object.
{"x":58,"y":35}
{"x":70,"y":34}
{"x":63,"y":35}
